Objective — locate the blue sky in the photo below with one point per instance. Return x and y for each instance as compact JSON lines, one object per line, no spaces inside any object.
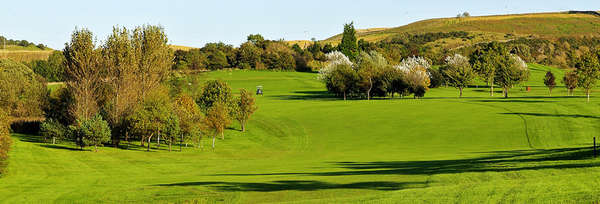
{"x":194,"y":23}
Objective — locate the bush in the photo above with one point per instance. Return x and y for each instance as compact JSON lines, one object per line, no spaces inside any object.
{"x":52,"y":129}
{"x":23,"y":91}
{"x":91,"y":132}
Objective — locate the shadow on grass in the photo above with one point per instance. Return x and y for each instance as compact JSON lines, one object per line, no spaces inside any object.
{"x":53,"y":146}
{"x":554,"y":115}
{"x":505,"y":161}
{"x":300,"y":185}
{"x":29,"y":138}
{"x":307,"y":95}
{"x":513,"y":100}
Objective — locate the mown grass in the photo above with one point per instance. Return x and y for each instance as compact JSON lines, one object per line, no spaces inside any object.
{"x":303,"y":146}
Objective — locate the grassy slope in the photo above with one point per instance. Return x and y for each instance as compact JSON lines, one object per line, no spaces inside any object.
{"x":545,"y":25}
{"x":303,"y":146}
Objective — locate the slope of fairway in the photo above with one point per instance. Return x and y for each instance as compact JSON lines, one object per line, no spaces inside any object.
{"x":304,"y":146}
{"x":546,"y":25}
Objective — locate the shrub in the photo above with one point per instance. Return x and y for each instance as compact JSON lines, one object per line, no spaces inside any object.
{"x":91,"y":132}
{"x":52,"y":129}
{"x":5,"y":140}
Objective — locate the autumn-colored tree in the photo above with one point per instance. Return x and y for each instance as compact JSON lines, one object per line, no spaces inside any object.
{"x":550,"y":81}
{"x":244,"y":107}
{"x":154,"y":57}
{"x":216,"y":120}
{"x":570,"y":81}
{"x":83,"y":74}
{"x":5,"y":140}
{"x":151,"y":117}
{"x":190,"y":117}
{"x":121,"y":65}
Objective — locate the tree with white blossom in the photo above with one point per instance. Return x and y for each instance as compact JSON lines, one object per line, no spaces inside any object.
{"x":416,"y":75}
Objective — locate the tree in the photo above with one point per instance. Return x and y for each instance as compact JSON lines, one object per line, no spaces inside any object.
{"x":458,"y":72}
{"x":52,"y":129}
{"x":171,"y":130}
{"x":512,"y":71}
{"x":190,"y":117}
{"x":83,"y":73}
{"x":369,"y":65}
{"x":256,"y":39}
{"x":151,"y":117}
{"x":343,"y":79}
{"x":550,"y":81}
{"x":120,"y":62}
{"x":249,"y":55}
{"x":570,"y":81}
{"x":154,"y":58}
{"x":91,"y":132}
{"x":216,"y":120}
{"x":215,"y":91}
{"x":23,"y":93}
{"x":486,"y":61}
{"x":51,"y":69}
{"x":349,"y":45}
{"x":244,"y":108}
{"x":5,"y":140}
{"x":416,"y":75}
{"x":588,"y":72}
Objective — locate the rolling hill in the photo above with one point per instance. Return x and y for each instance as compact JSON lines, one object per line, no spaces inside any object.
{"x":497,"y":27}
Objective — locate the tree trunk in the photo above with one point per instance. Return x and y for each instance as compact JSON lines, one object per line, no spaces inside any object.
{"x":550,"y":89}
{"x":149,"y":141}
{"x":243,"y":126}
{"x":505,"y":92}
{"x":492,"y":87}
{"x":170,"y":142}
{"x":588,"y":95}
{"x":181,"y":143}
{"x":95,"y":148}
{"x":223,"y":135}
{"x":369,"y":91}
{"x":344,"y":95}
{"x":214,"y":137}
{"x":460,"y":90}
{"x":158,"y":139}
{"x":142,"y":141}
{"x":53,"y":140}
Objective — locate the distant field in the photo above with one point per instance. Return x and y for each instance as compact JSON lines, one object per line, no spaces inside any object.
{"x":303,"y":146}
{"x":180,"y":47}
{"x":24,"y":54}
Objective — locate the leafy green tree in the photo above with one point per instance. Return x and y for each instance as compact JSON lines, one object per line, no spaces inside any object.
{"x":249,"y":55}
{"x":458,"y":72}
{"x":216,"y":120}
{"x":171,"y":130}
{"x":343,"y":79}
{"x":512,"y":71}
{"x":91,"y":132}
{"x":51,"y":69}
{"x":550,"y":81}
{"x":52,"y":129}
{"x":257,"y":40}
{"x":154,"y":58}
{"x":487,"y":60}
{"x":151,"y":117}
{"x":244,"y":107}
{"x":349,"y":45}
{"x":570,"y":81}
{"x":588,"y":72}
{"x":214,"y":91}
{"x":23,"y":93}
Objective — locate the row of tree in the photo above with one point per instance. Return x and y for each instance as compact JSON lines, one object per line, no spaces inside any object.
{"x":120,"y":90}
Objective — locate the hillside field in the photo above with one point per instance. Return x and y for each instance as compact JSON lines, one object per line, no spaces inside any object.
{"x":304,"y":146}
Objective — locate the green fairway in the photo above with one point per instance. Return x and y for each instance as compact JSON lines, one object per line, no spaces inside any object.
{"x":305,"y":146}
